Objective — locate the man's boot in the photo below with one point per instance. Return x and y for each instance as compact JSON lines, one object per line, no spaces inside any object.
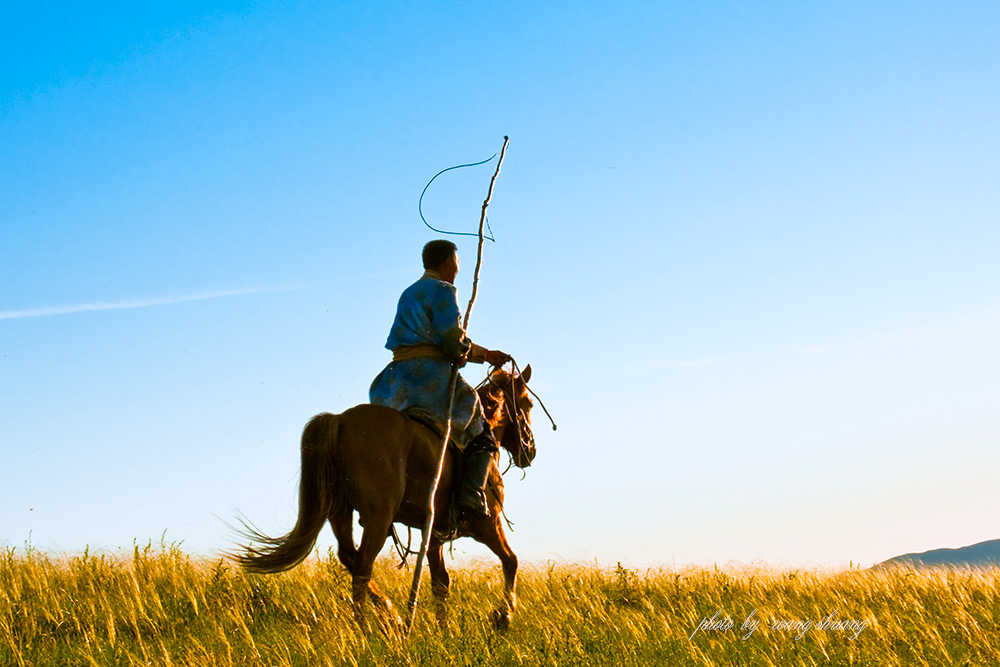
{"x":476,"y":463}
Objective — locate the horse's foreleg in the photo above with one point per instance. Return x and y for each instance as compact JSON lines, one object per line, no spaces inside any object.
{"x":440,"y":581}
{"x":495,"y":539}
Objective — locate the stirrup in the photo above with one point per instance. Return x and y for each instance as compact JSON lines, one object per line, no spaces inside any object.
{"x":469,"y":509}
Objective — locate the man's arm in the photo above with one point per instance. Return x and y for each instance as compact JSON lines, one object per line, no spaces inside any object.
{"x":446,"y":320}
{"x":478,"y":354}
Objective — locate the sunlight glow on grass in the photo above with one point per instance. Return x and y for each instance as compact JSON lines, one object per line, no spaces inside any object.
{"x":161,"y":606}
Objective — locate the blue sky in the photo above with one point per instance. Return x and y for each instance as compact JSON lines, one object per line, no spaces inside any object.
{"x":750,"y":253}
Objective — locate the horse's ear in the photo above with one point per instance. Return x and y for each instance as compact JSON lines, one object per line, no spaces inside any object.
{"x":526,"y":374}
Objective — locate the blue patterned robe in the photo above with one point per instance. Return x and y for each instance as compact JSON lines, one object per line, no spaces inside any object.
{"x":428,"y":315}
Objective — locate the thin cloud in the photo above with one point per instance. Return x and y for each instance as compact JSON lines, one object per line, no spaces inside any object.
{"x":137,"y":303}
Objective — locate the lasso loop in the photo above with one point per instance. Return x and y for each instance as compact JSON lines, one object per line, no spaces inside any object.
{"x":420,"y":203}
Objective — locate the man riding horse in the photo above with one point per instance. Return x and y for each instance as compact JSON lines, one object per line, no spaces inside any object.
{"x":373,"y":463}
{"x":426,"y":338}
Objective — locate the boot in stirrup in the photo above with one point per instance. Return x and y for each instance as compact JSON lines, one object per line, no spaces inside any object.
{"x":471,"y":501}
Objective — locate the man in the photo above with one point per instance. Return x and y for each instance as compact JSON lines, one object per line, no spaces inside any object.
{"x":426,"y":339}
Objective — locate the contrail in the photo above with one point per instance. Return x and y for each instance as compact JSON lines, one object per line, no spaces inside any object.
{"x":136,"y":303}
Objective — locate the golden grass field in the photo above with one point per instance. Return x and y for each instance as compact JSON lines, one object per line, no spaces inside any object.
{"x":160,"y":606}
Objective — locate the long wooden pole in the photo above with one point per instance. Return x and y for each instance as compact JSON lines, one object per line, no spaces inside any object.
{"x":425,"y":533}
{"x":482,"y":238}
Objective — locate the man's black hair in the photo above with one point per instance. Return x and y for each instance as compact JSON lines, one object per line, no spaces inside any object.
{"x":436,"y":252}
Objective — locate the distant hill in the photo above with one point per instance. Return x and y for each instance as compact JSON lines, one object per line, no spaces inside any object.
{"x":983,"y":554}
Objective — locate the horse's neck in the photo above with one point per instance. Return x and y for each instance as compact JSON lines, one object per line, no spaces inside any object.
{"x":500,"y":429}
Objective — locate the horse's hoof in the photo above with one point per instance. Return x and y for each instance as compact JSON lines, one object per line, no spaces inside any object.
{"x":500,"y":619}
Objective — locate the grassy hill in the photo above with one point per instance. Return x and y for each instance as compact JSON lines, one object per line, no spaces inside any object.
{"x":983,"y":554}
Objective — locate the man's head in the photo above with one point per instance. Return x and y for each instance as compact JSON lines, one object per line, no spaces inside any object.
{"x":441,"y":256}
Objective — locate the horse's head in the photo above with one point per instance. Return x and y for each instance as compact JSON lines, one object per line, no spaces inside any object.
{"x":507,"y":404}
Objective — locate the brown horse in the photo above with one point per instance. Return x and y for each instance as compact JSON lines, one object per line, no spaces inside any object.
{"x":375,"y":460}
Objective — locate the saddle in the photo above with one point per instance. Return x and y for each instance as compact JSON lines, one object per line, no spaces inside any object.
{"x":425,"y":418}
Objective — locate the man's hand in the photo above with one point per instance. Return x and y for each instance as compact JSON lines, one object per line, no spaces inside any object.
{"x":497,"y":358}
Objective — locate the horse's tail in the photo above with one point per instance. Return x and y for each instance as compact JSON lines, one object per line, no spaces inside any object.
{"x":318,"y":494}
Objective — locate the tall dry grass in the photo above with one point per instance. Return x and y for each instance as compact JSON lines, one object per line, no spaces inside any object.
{"x":160,"y":606}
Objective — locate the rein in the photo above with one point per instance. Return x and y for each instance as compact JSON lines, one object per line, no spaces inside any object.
{"x":531,"y":391}
{"x":404,"y":552}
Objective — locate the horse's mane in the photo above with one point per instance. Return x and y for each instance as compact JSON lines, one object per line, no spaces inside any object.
{"x":491,"y":396}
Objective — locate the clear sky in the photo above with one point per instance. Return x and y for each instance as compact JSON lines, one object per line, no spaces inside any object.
{"x":751,"y":252}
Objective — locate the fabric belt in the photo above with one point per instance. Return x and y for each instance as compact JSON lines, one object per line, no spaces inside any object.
{"x":416,"y":351}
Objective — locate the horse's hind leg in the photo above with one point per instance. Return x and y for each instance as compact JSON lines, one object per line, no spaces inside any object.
{"x":372,"y":540}
{"x":495,"y":539}
{"x":342,"y":522}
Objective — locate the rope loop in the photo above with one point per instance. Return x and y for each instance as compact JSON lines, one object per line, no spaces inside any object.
{"x":420,"y":202}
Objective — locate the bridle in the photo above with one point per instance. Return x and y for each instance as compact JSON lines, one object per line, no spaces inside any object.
{"x":519,"y":417}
